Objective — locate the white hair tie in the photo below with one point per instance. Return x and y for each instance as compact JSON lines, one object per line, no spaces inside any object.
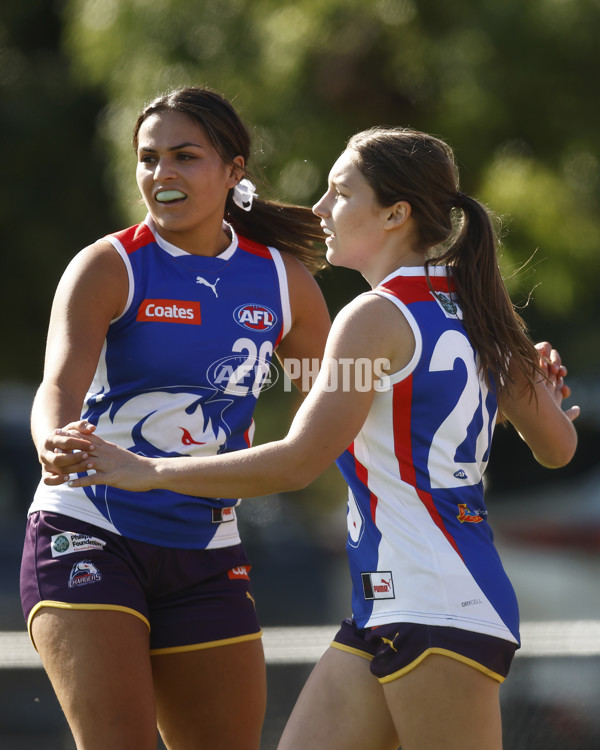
{"x":243,"y":194}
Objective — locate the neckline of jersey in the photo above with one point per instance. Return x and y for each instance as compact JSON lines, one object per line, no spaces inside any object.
{"x":177,"y":252}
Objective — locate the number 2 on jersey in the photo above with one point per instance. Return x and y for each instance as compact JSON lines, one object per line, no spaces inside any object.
{"x":452,"y":432}
{"x":256,"y":363}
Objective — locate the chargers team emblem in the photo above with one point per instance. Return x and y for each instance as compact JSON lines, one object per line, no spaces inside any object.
{"x":255,"y":317}
{"x":84,"y":572}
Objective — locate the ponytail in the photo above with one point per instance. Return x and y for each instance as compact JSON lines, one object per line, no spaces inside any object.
{"x":497,"y":332}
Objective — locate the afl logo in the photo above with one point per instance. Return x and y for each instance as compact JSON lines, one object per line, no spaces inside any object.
{"x":255,"y":317}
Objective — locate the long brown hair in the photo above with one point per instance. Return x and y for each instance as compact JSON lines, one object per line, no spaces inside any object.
{"x":404,"y":164}
{"x":292,"y":229}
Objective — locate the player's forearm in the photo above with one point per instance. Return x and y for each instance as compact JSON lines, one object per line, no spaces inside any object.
{"x":556,"y":453}
{"x":52,"y":408}
{"x":263,"y":470}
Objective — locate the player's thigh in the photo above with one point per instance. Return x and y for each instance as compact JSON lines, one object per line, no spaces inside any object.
{"x":445,"y":703}
{"x":211,"y":698}
{"x":99,"y":665}
{"x":341,"y":707}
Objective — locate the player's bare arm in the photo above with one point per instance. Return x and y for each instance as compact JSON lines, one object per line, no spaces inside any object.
{"x":90,"y":294}
{"x":326,"y":423}
{"x":539,"y":418}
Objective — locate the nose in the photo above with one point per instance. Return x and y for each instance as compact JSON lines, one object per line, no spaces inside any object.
{"x":320,"y":209}
{"x":164,"y":169}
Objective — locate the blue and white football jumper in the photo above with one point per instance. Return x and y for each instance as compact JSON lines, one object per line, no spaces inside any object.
{"x":179,"y":375}
{"x":419,"y":544}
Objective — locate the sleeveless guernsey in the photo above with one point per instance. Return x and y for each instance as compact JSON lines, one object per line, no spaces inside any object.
{"x":179,"y":375}
{"x":419,"y":544}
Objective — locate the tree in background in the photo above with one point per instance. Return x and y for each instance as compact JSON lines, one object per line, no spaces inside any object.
{"x":509,"y":85}
{"x":53,"y":195}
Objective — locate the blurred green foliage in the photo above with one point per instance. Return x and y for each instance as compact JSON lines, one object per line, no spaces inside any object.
{"x":510,"y":85}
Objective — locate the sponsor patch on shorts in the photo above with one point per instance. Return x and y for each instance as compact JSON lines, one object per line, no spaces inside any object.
{"x":223,"y":515}
{"x":68,"y":542}
{"x":378,"y":585}
{"x":242,"y":571}
{"x":84,"y":572}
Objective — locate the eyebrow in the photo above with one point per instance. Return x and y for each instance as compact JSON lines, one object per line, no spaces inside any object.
{"x":339,"y":183}
{"x":186,"y":144}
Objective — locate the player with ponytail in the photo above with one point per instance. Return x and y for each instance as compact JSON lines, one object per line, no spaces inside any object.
{"x":423,"y":364}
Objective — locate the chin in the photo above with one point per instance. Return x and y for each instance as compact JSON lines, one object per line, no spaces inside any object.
{"x":338,"y":260}
{"x":330,"y":255}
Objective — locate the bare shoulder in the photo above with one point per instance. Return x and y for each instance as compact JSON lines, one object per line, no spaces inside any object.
{"x":100,"y":255}
{"x":97,"y":273}
{"x":378,"y":329}
{"x":369,"y":307}
{"x":376,"y":313}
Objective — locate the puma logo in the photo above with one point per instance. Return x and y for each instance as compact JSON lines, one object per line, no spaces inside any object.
{"x":204,"y":282}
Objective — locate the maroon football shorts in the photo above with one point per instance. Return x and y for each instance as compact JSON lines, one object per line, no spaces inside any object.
{"x":395,"y":649}
{"x":189,"y":598}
